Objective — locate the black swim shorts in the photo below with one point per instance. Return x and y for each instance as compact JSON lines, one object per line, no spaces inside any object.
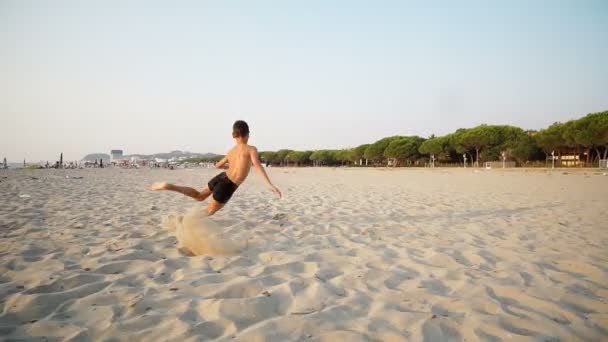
{"x":222,"y":187}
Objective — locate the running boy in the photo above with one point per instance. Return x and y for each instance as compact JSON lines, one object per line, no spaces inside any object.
{"x":237,"y":162}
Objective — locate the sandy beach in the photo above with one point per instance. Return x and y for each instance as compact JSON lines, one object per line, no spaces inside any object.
{"x":346,"y":255}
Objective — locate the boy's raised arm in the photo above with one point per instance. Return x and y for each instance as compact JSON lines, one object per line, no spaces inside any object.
{"x":255,"y":159}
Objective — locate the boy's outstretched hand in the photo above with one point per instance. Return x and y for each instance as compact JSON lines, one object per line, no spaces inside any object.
{"x":275,"y":190}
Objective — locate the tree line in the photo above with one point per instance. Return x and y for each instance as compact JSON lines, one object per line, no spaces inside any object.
{"x":586,"y":138}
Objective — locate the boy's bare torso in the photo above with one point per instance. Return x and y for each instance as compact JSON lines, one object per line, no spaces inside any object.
{"x":239,"y":161}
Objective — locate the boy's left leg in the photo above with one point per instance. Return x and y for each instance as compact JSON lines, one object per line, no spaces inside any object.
{"x":190,"y":192}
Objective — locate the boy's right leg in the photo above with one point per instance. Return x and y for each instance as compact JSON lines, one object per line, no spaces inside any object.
{"x":214,"y":206}
{"x":190,"y":192}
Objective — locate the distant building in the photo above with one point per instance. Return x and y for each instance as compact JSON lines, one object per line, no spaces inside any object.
{"x":115,"y":155}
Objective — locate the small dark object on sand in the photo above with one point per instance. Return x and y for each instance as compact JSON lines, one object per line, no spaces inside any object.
{"x":279,"y":216}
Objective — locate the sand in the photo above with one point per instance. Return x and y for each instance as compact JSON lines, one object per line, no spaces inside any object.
{"x":346,"y":255}
{"x":197,"y":234}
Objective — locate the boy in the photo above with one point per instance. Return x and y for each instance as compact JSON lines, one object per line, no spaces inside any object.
{"x":237,"y":162}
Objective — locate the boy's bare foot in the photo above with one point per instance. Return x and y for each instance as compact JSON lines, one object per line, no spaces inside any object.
{"x":159,"y":186}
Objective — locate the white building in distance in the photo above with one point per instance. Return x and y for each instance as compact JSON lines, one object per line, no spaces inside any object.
{"x":115,"y":155}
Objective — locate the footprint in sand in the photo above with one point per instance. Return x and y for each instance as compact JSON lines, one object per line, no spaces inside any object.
{"x":279,"y":216}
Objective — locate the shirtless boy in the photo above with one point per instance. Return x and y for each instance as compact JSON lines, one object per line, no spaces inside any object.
{"x":237,"y":163}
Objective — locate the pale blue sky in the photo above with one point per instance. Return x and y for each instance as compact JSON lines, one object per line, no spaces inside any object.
{"x":153,"y":76}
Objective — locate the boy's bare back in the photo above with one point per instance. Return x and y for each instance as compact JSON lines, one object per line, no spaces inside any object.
{"x":238,"y":162}
{"x":239,"y":159}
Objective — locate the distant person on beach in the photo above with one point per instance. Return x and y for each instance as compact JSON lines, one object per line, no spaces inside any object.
{"x":237,"y":162}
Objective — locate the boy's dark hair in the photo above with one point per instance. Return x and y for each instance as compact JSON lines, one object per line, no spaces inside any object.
{"x":240,"y":129}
